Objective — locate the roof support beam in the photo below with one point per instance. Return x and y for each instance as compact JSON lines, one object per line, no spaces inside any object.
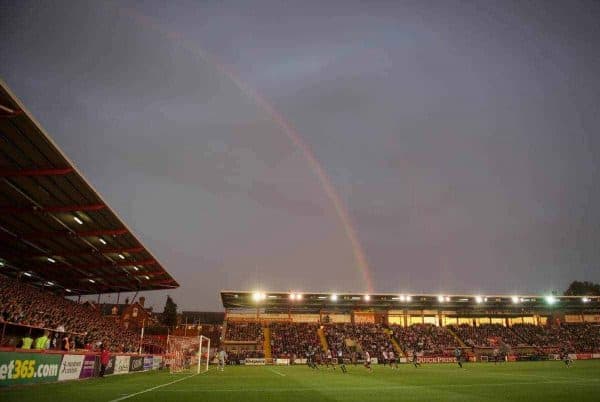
{"x":35,"y":172}
{"x":67,"y":208}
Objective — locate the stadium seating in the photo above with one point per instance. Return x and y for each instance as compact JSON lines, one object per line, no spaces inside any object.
{"x":288,"y":339}
{"x":27,"y":305}
{"x":370,"y":337}
{"x":244,"y":331}
{"x":425,"y":338}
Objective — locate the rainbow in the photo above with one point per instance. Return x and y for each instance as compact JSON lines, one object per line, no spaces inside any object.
{"x":288,"y":129}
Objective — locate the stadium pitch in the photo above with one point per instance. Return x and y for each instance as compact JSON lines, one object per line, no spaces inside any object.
{"x":531,"y":381}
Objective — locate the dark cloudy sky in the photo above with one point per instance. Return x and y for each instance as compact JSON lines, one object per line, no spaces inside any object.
{"x":463,"y":137}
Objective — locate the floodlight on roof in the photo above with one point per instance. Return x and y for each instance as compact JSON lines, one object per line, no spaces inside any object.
{"x":292,"y":296}
{"x":299,"y":296}
{"x":551,"y":299}
{"x":333,"y":297}
{"x":76,"y":219}
{"x":515,"y":299}
{"x":135,"y":268}
{"x":91,"y":281}
{"x":367,"y":298}
{"x":27,"y":274}
{"x":146,"y":277}
{"x":102,"y":240}
{"x":1,"y":263}
{"x":440,"y":298}
{"x":121,"y":256}
{"x":585,"y":299}
{"x":478,"y":299}
{"x":402,"y":298}
{"x":50,"y":283}
{"x":68,"y":290}
{"x":52,"y":260}
{"x":258,"y":296}
{"x":408,"y":298}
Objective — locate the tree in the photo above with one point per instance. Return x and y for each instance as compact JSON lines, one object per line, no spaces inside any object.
{"x":585,"y":288}
{"x":169,"y":316}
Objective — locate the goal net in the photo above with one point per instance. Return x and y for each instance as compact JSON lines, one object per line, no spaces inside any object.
{"x":185,"y":353}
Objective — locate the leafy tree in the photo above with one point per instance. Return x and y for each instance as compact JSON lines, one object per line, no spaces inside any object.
{"x":169,"y":316}
{"x":585,"y":288}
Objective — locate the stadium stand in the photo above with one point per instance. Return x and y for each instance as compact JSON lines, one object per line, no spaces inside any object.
{"x":244,"y":331}
{"x":425,"y":338}
{"x":291,"y":339}
{"x":358,"y":337}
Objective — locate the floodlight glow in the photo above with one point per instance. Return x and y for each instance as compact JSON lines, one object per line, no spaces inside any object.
{"x":409,"y":298}
{"x":402,"y":298}
{"x":551,"y":299}
{"x":585,"y":299}
{"x":478,"y":299}
{"x":515,"y":299}
{"x":256,"y":296}
{"x":333,"y":297}
{"x":298,"y":296}
{"x":27,"y":274}
{"x":367,"y":297}
{"x":68,"y":290}
{"x":440,"y":298}
{"x":91,"y":281}
{"x":102,"y":240}
{"x":292,"y":296}
{"x":447,"y":298}
{"x":1,"y":264}
{"x":49,"y":283}
{"x":76,"y":219}
{"x":147,"y":277}
{"x":52,"y":260}
{"x":135,"y":268}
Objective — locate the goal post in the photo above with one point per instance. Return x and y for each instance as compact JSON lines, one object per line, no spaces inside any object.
{"x":186,"y":353}
{"x":205,"y":355}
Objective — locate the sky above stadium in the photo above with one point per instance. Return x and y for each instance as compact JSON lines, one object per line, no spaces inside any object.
{"x":272,"y":144}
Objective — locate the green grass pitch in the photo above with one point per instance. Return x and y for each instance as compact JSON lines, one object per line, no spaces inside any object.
{"x":531,"y":381}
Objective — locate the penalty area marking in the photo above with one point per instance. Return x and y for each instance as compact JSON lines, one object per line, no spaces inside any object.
{"x":275,"y":371}
{"x":154,"y":388}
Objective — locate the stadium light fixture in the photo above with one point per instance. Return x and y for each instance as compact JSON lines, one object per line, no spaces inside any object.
{"x":52,"y":260}
{"x":367,"y":298}
{"x":68,"y":290}
{"x":298,"y":296}
{"x":515,"y":299}
{"x":333,"y":297}
{"x":146,"y":277}
{"x":258,"y":296}
{"x":102,"y":240}
{"x":447,"y":298}
{"x":478,"y":299}
{"x":27,"y":274}
{"x":91,"y":281}
{"x":292,"y":296}
{"x":551,"y":299}
{"x":135,"y":268}
{"x":402,"y":298}
{"x":1,"y":263}
{"x":440,"y":298}
{"x":585,"y":299}
{"x":121,"y":256}
{"x":50,"y":283}
{"x":408,"y":298}
{"x":76,"y":219}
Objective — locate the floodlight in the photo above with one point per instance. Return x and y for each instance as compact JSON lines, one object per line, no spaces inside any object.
{"x":102,"y":240}
{"x":408,"y":298}
{"x":441,"y":298}
{"x":367,"y":298}
{"x":402,"y":298}
{"x":27,"y":274}
{"x":478,"y":299}
{"x":585,"y":299}
{"x":298,"y":296}
{"x":515,"y":299}
{"x":76,"y":219}
{"x":91,"y":281}
{"x":121,"y":256}
{"x":551,"y":299}
{"x":256,"y":296}
{"x":52,"y":260}
{"x":333,"y":297}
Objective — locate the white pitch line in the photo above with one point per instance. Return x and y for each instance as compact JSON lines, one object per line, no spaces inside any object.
{"x":154,"y":388}
{"x":275,"y":371}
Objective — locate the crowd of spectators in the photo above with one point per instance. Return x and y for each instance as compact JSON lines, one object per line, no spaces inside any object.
{"x":370,"y":337}
{"x":83,"y":325}
{"x":487,"y":335}
{"x":584,"y":338}
{"x":293,"y":339}
{"x":425,"y":339}
{"x":244,"y":331}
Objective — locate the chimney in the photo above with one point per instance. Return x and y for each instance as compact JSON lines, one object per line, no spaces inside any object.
{"x":142,"y":300}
